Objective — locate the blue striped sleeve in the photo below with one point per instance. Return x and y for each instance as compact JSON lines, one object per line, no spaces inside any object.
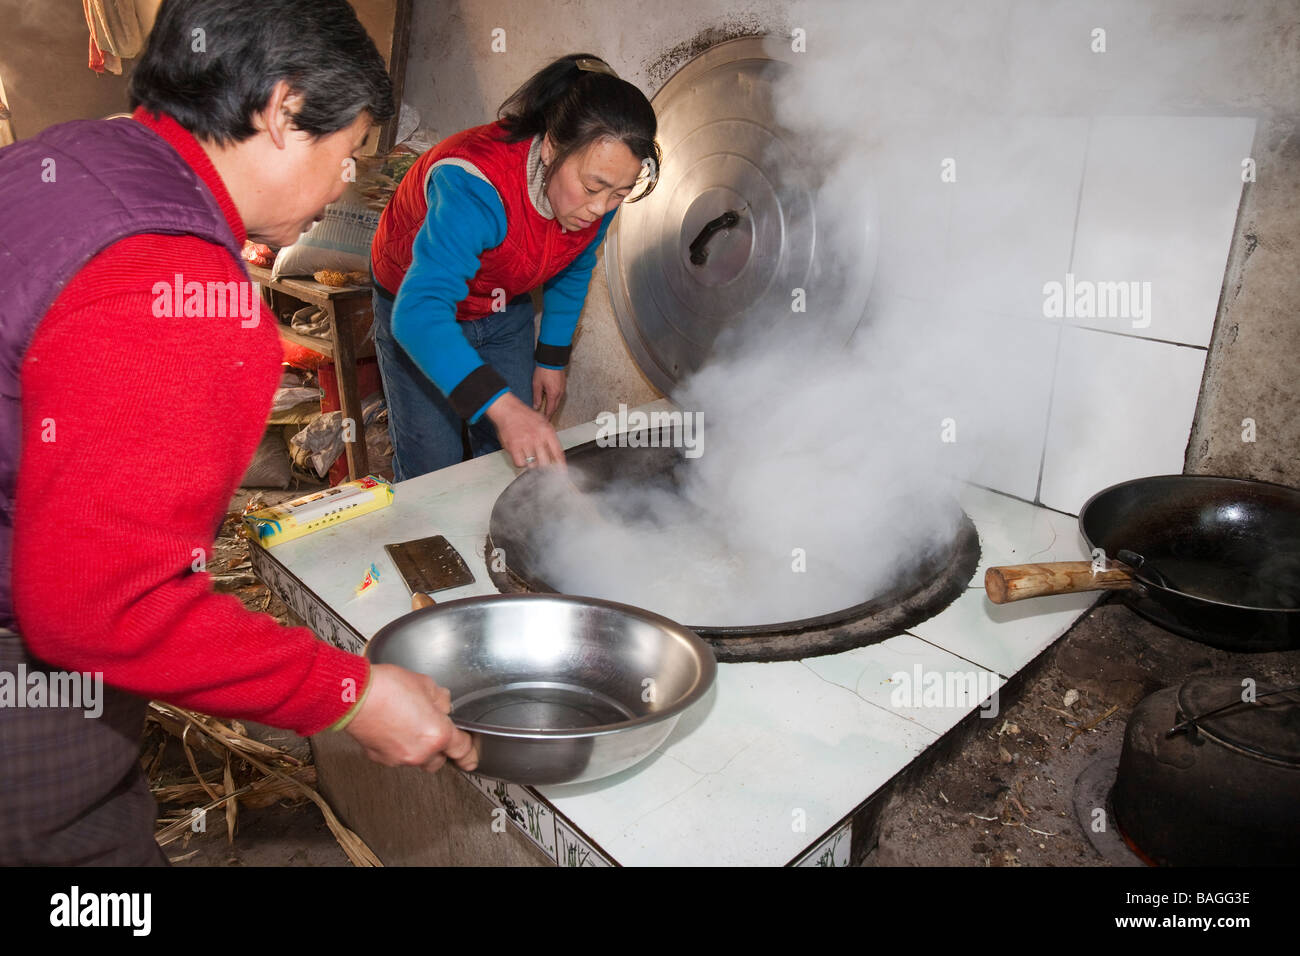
{"x":562,"y":300}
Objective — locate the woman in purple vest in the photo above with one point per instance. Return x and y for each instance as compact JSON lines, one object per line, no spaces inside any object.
{"x":246,"y":117}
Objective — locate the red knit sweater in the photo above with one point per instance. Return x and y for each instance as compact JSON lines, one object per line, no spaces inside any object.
{"x":136,"y":432}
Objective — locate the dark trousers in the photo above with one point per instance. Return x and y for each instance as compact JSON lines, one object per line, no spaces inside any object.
{"x":71,"y":789}
{"x":424,"y":428}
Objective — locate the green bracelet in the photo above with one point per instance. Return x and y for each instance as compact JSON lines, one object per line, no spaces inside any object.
{"x":352,"y":711}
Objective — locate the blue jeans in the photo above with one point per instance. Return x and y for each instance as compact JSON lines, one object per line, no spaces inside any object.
{"x":424,"y":429}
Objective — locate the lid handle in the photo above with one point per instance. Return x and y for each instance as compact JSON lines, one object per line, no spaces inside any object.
{"x":699,"y":248}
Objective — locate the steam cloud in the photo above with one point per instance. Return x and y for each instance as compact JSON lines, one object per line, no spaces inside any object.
{"x":825,"y":432}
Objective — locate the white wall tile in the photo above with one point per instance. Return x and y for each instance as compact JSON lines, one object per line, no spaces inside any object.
{"x":1014,"y":207}
{"x":1159,"y":202}
{"x":915,"y":208}
{"x":1005,"y":411}
{"x":1122,"y":408}
{"x":991,"y":374}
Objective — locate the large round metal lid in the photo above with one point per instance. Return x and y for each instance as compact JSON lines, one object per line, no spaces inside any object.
{"x":732,"y":226}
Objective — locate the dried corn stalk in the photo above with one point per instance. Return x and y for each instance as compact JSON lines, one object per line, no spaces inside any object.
{"x":282,"y":775}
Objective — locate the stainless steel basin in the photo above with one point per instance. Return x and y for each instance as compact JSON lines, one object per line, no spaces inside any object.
{"x":557,"y":689}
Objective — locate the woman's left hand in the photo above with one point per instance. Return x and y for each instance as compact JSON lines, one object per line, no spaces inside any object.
{"x":548,"y":389}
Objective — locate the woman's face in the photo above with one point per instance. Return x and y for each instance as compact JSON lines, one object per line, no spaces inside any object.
{"x":590,"y":182}
{"x":299,"y":180}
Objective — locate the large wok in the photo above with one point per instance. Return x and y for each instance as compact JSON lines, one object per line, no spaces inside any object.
{"x":1213,"y":559}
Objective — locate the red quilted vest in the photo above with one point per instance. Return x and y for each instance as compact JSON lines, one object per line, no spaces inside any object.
{"x":535,"y":248}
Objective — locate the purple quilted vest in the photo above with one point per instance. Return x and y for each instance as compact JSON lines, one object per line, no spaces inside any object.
{"x":68,"y":194}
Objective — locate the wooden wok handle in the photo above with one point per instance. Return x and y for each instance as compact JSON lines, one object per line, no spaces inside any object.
{"x":1018,"y":581}
{"x":419,"y":599}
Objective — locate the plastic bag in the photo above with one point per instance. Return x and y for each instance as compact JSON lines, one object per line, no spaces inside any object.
{"x":322,"y":440}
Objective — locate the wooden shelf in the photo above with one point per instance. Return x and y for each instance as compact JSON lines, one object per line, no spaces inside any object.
{"x":349,"y":313}
{"x":308,"y":290}
{"x":313,"y":342}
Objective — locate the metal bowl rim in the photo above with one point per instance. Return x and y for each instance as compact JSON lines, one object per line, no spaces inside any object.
{"x":708,"y":664}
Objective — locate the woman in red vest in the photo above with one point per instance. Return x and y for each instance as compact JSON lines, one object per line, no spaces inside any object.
{"x":480,"y":220}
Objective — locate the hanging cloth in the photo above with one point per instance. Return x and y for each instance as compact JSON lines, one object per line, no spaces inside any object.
{"x":114,"y":33}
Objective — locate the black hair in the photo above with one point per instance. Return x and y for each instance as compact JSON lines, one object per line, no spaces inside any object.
{"x":579,"y":100}
{"x":212,"y":64}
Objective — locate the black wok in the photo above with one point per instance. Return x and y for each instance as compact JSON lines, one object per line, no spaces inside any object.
{"x":1213,"y":559}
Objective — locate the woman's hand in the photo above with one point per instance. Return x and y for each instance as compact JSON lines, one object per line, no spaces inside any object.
{"x":548,"y":390}
{"x":403,"y":722}
{"x":526,"y":435}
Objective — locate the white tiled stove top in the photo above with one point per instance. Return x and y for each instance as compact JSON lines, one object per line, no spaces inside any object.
{"x":769,"y":767}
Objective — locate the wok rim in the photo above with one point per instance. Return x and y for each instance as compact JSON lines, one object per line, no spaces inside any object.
{"x":933,"y":565}
{"x":1189,"y":479}
{"x":701,"y":686}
